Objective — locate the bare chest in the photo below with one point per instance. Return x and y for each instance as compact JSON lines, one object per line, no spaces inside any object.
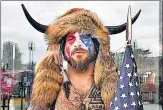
{"x":90,"y":101}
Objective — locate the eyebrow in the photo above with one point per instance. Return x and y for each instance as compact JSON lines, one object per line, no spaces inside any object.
{"x":71,"y":34}
{"x":85,"y":34}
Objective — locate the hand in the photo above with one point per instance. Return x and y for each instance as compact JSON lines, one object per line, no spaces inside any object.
{"x":53,"y":55}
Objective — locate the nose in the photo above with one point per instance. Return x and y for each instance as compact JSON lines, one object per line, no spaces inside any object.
{"x":77,"y":46}
{"x":77,"y":43}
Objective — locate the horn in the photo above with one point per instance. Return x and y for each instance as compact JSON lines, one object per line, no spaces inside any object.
{"x":35,"y":24}
{"x":122,"y":27}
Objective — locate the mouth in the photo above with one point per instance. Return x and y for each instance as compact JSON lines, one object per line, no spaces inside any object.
{"x":79,"y":52}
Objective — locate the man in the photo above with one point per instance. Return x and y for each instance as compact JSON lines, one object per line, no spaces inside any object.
{"x":90,"y":81}
{"x":80,"y":52}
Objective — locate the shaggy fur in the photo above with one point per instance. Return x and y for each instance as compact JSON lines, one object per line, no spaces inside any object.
{"x":47,"y":79}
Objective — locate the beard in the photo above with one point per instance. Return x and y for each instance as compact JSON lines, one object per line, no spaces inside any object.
{"x":82,"y":64}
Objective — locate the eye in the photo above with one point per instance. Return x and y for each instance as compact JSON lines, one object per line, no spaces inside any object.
{"x":70,"y":38}
{"x":87,"y":36}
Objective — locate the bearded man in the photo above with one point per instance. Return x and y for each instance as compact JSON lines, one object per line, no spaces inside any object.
{"x":90,"y":80}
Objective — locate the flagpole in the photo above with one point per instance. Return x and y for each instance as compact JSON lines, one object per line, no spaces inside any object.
{"x":13,"y":59}
{"x":1,"y":51}
{"x":129,"y":26}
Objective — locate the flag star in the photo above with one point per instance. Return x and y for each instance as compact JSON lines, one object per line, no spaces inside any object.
{"x":122,"y":86}
{"x":129,"y":75}
{"x":121,"y":77}
{"x":127,"y":66}
{"x":132,"y":94}
{"x":134,"y":65}
{"x":116,"y":108}
{"x":89,"y":42}
{"x":132,"y":56}
{"x":116,"y":98}
{"x":138,"y":93}
{"x":123,"y":96}
{"x":130,"y":84}
{"x":134,"y":104}
{"x":139,"y":103}
{"x":135,"y":74}
{"x":125,"y":105}
{"x":119,"y":73}
{"x":85,"y":42}
{"x":136,"y":84}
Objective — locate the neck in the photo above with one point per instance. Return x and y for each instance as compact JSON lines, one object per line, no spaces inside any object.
{"x":82,"y":81}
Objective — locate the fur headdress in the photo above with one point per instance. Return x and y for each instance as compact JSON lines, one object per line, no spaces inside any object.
{"x":47,"y":78}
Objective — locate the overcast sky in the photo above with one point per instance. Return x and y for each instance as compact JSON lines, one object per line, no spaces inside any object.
{"x":16,"y":28}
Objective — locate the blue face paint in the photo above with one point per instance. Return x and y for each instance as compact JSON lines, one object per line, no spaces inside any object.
{"x":86,"y":39}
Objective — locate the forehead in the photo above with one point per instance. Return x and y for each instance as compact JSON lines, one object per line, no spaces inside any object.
{"x":77,"y":34}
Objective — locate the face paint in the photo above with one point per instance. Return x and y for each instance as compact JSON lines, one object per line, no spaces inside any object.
{"x":75,"y":40}
{"x":86,"y":39}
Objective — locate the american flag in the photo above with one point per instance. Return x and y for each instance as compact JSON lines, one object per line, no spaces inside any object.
{"x":128,"y":95}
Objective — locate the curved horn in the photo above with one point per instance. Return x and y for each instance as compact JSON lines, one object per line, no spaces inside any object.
{"x":122,"y":27}
{"x":35,"y":24}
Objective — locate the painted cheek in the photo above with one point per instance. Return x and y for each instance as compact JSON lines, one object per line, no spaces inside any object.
{"x":68,"y":47}
{"x":90,"y":47}
{"x":88,"y":43}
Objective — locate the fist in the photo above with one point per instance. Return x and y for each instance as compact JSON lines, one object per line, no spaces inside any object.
{"x":52,"y":56}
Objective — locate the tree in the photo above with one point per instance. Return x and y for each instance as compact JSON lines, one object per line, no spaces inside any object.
{"x":140,"y":55}
{"x":7,"y":58}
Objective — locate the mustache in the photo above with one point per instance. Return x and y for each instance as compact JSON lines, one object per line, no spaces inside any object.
{"x":77,"y":49}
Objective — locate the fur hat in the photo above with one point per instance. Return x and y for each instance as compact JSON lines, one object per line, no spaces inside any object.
{"x":47,"y":78}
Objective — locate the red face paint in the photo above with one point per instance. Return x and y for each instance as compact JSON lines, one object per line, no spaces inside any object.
{"x":70,"y":39}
